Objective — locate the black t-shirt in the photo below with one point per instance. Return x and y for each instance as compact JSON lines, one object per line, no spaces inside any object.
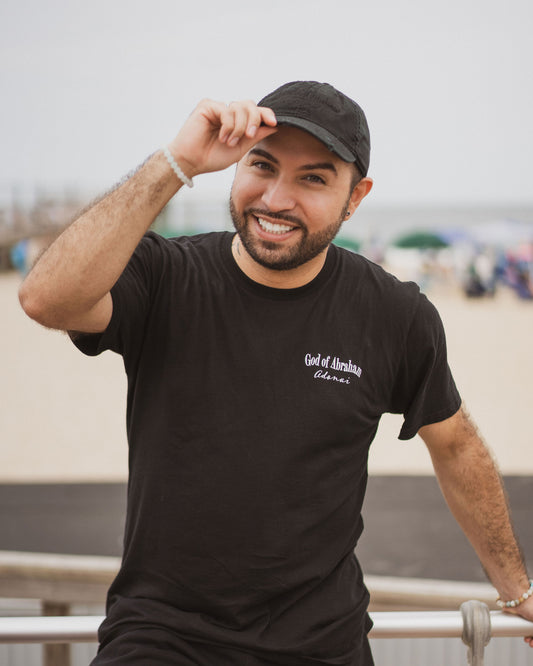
{"x":250,"y":413}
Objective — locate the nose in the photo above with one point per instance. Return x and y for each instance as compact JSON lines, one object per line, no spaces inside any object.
{"x":278,"y":196}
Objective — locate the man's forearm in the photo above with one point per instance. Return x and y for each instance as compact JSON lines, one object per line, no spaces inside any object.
{"x":69,"y":286}
{"x":473,"y":489}
{"x":82,"y":265}
{"x":478,"y":502}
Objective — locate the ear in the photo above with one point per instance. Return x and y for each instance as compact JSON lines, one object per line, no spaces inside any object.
{"x":359,"y":192}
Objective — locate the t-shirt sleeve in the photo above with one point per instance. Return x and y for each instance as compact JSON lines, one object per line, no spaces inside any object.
{"x":425,"y":391}
{"x":131,"y":297}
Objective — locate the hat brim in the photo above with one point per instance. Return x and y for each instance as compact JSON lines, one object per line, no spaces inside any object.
{"x":331,"y":142}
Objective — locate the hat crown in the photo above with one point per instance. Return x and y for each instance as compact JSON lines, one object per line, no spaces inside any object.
{"x":328,"y":114}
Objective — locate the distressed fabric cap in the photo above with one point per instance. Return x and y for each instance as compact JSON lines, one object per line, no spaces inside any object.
{"x":327,"y":114}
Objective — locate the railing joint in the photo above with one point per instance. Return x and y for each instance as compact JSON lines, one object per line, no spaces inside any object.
{"x":476,"y":630}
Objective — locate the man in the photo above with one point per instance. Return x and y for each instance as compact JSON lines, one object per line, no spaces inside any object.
{"x":259,"y":364}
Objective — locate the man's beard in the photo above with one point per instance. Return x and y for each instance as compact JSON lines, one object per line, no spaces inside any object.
{"x":273,"y":255}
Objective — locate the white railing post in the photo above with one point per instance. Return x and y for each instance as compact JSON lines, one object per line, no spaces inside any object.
{"x":476,"y":630}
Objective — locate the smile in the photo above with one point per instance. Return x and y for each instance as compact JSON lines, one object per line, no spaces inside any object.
{"x":273,"y":228}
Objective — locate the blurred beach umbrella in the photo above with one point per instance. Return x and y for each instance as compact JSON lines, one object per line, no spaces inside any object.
{"x":348,"y":243}
{"x":421,"y":240}
{"x":502,"y":233}
{"x":455,"y":235}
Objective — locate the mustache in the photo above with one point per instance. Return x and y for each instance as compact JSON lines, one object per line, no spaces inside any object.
{"x":282,"y":217}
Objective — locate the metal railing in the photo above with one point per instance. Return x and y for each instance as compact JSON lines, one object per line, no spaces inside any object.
{"x":399,"y":607}
{"x":396,"y":624}
{"x":474,"y":623}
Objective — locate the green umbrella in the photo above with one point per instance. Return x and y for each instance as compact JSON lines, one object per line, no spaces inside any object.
{"x":348,"y":243}
{"x":422,"y":240}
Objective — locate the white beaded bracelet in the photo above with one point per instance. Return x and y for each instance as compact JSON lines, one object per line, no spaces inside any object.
{"x":179,"y":173}
{"x":516,"y":602}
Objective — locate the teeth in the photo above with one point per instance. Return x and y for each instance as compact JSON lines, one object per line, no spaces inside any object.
{"x":273,"y":228}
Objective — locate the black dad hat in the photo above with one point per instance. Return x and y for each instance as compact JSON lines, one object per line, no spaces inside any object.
{"x":327,"y":114}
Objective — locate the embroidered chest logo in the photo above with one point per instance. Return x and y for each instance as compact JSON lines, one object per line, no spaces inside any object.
{"x":344,"y":370}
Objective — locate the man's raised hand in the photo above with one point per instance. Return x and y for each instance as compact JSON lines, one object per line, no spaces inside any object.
{"x":216,"y":135}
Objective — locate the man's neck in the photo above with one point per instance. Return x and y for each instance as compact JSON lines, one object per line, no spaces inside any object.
{"x":278,"y":279}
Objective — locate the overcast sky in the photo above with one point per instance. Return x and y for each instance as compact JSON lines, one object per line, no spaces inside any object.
{"x":90,"y":88}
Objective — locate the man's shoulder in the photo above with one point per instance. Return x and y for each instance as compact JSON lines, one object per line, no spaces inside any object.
{"x":207,"y":239}
{"x":157,"y":249}
{"x":373,"y":277}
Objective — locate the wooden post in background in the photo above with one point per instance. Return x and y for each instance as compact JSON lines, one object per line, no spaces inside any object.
{"x":56,"y":654}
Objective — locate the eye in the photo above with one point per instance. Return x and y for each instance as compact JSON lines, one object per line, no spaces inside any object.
{"x":314,"y":178}
{"x":262,"y":165}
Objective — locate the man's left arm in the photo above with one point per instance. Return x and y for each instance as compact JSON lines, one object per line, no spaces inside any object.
{"x":473,"y":489}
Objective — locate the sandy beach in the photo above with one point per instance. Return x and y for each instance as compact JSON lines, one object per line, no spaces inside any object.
{"x":63,"y":414}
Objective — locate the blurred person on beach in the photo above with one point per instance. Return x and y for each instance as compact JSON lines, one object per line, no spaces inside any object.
{"x":259,"y":364}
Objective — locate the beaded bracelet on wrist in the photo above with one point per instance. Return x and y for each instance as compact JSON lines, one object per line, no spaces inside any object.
{"x":177,"y":170}
{"x":516,"y":602}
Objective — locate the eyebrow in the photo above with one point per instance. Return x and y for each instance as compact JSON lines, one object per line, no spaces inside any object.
{"x":263,"y":153}
{"x":329,"y":166}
